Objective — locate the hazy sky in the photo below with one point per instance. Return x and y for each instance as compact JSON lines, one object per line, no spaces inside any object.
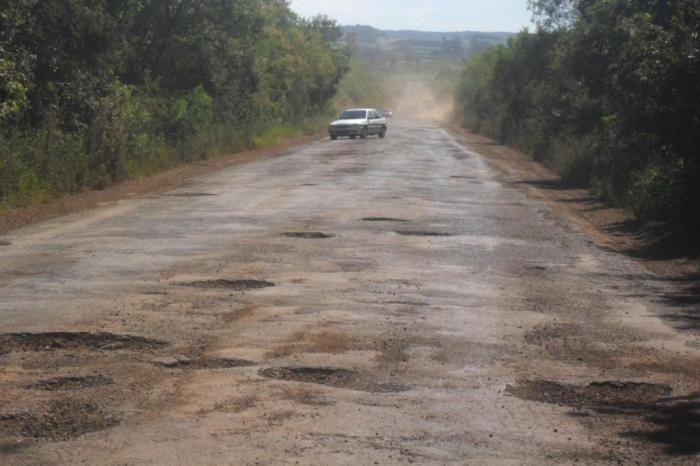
{"x":425,"y":15}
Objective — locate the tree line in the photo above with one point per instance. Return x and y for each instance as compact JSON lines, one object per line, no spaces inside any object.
{"x":94,"y":91}
{"x":607,"y":92}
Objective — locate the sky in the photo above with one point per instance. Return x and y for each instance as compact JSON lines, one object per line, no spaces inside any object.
{"x":424,"y":15}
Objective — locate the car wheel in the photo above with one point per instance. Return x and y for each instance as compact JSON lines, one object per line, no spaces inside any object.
{"x":334,"y":137}
{"x":364,"y":133}
{"x":382,"y":133}
{"x":353,"y":136}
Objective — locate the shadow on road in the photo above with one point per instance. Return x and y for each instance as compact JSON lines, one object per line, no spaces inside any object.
{"x":655,"y":240}
{"x":676,"y":422}
{"x":658,"y":241}
{"x":646,"y":241}
{"x":685,"y":302}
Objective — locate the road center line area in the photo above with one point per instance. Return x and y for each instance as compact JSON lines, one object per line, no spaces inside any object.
{"x":378,"y":301}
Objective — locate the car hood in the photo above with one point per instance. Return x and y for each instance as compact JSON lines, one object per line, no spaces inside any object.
{"x":349,"y":122}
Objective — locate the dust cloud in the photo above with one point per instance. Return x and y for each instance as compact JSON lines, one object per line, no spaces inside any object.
{"x":414,"y":99}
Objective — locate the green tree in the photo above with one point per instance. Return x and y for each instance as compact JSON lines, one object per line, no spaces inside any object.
{"x":606,"y":92}
{"x":96,"y":90}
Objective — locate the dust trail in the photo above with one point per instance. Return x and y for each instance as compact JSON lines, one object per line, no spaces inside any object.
{"x":415,"y":100}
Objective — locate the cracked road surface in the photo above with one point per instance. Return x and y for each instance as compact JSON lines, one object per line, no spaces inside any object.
{"x":353,"y":302}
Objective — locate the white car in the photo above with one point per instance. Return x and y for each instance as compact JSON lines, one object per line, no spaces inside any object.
{"x":358,"y":122}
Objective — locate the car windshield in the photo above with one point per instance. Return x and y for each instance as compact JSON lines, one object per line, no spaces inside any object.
{"x":353,"y":115}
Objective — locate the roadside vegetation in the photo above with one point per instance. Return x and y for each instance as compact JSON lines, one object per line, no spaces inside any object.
{"x":93,"y":92}
{"x":605,"y":92}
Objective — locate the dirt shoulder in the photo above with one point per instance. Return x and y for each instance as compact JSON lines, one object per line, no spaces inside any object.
{"x":167,"y":180}
{"x":611,"y":228}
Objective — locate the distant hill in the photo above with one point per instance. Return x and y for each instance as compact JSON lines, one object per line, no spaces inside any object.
{"x":370,"y":35}
{"x":378,"y":44}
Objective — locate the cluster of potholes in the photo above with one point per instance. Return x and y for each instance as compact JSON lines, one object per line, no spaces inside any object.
{"x":65,"y":417}
{"x":70,"y":417}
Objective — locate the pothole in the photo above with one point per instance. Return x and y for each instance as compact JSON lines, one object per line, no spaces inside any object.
{"x":594,"y":395}
{"x":385,"y":219}
{"x":71,"y":383}
{"x":536,"y":268}
{"x":190,"y":195}
{"x":307,"y":235}
{"x":407,"y":303}
{"x":334,"y":377}
{"x":330,"y":376}
{"x":424,"y":233}
{"x":458,"y":177}
{"x":184,"y":362}
{"x":52,"y":341}
{"x":5,"y":243}
{"x":222,"y":363}
{"x":237,"y":285}
{"x":57,"y":421}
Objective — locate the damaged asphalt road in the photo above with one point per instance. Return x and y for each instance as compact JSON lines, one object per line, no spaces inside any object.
{"x":353,"y":302}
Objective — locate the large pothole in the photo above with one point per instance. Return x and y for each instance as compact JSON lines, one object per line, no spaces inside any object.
{"x":236,"y":285}
{"x":332,"y":377}
{"x":5,"y":243}
{"x":608,"y":394}
{"x":71,"y":383}
{"x":52,"y":341}
{"x":307,"y":235}
{"x":57,"y":420}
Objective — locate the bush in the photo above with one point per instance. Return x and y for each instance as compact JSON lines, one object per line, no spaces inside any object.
{"x":655,"y":192}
